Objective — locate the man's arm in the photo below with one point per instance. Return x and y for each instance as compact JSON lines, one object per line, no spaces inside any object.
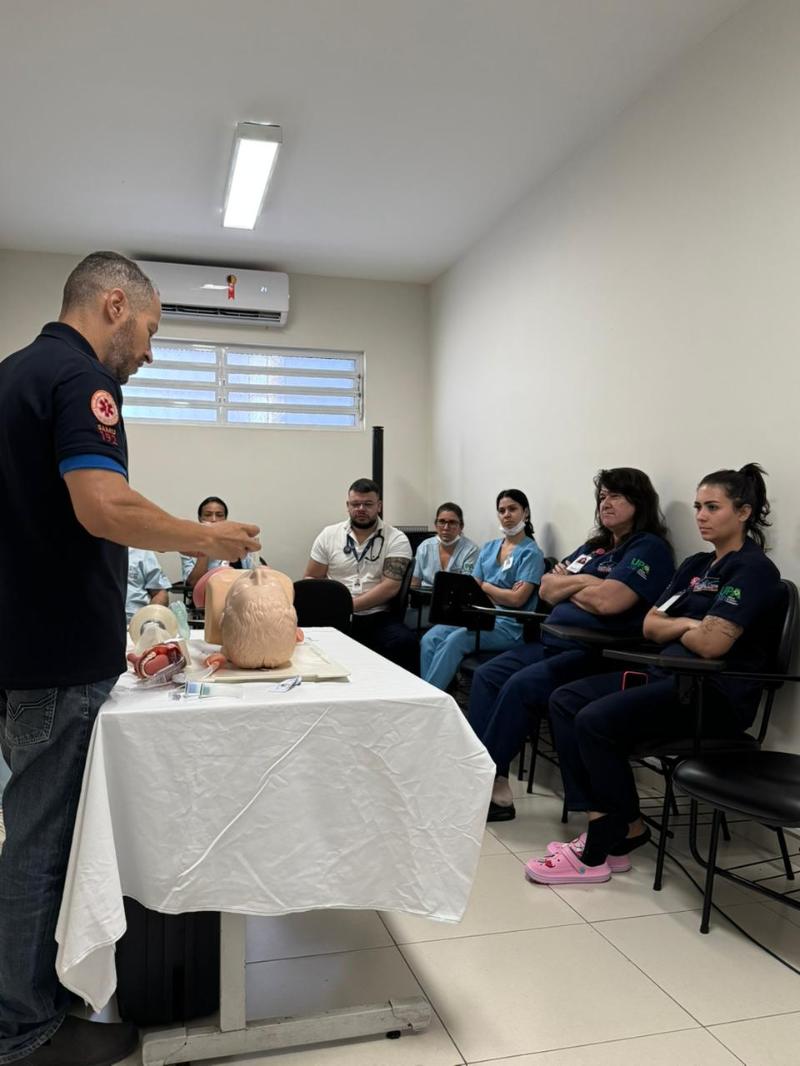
{"x":315,"y":569}
{"x":394,"y":571}
{"x":107,"y":507}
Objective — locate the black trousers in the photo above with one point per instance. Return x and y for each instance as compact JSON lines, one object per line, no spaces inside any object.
{"x":388,"y":637}
{"x":596,"y":725}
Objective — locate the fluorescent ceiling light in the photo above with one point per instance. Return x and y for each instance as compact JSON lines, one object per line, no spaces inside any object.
{"x":255,"y":150}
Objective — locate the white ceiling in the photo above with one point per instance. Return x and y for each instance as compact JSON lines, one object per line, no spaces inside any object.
{"x":409,"y":126}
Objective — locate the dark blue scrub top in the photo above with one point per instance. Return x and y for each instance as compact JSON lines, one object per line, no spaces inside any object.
{"x":643,"y":562}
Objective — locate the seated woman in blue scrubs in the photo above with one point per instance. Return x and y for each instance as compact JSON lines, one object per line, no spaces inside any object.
{"x":212,"y":509}
{"x":449,"y":550}
{"x":607,"y":585}
{"x":717,"y":606}
{"x":508,"y":570}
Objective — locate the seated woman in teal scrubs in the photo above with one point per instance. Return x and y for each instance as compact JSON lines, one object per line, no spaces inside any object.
{"x":449,"y":550}
{"x":508,"y":570}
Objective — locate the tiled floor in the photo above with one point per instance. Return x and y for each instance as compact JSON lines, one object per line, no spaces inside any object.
{"x":597,"y":975}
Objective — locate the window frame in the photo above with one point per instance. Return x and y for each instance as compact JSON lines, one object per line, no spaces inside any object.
{"x":222,"y":386}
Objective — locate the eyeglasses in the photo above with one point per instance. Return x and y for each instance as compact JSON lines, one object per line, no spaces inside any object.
{"x":447,"y":522}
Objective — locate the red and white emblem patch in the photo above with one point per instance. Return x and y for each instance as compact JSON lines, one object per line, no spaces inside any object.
{"x":104,"y":408}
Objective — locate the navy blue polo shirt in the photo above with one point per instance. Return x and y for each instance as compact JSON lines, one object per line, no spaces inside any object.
{"x":643,"y":562}
{"x":743,"y":588}
{"x":62,"y":591}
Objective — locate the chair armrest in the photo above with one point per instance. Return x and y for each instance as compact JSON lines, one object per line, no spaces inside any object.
{"x":590,"y":636}
{"x":508,"y":612}
{"x":419,"y":597}
{"x":676,"y":663}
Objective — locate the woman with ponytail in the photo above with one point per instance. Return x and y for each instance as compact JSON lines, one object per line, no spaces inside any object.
{"x":508,"y":570}
{"x":718,"y":605}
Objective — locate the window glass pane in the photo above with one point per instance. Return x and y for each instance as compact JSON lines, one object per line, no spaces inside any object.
{"x":287,"y":418}
{"x":153,"y":373}
{"x":291,"y":362}
{"x":136,"y":392}
{"x":276,"y":380}
{"x":173,"y":414}
{"x":184,"y":355}
{"x":291,"y":399}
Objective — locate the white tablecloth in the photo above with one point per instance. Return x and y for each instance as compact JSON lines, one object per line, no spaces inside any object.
{"x":367,"y":793}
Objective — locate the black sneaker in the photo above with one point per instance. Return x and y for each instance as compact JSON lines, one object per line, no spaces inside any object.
{"x":501,"y":812}
{"x":81,"y":1043}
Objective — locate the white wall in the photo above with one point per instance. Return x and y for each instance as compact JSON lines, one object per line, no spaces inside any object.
{"x":641,"y":308}
{"x":291,"y":482}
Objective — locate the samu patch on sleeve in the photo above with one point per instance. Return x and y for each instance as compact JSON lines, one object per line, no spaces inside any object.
{"x":104,"y":407}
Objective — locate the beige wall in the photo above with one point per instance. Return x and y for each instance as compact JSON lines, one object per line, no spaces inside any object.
{"x":641,"y":308}
{"x":291,"y":482}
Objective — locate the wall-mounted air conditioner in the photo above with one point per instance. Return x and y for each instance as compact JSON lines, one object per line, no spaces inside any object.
{"x":223,"y":294}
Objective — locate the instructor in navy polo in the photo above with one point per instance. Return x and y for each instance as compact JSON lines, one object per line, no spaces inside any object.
{"x":64,"y":478}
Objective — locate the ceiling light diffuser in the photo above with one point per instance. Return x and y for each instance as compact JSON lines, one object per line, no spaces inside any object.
{"x":255,"y":150}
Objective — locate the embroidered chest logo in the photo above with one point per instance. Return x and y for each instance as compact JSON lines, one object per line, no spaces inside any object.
{"x":641,"y":567}
{"x":104,"y":408}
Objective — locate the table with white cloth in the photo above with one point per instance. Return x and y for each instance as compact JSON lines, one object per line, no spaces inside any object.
{"x":367,"y":793}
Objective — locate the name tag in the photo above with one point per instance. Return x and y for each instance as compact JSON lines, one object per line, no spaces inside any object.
{"x":578,"y":564}
{"x":508,"y":562}
{"x":665,"y":606}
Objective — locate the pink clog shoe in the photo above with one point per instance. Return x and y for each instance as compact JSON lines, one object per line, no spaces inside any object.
{"x":617,"y":864}
{"x":565,"y":868}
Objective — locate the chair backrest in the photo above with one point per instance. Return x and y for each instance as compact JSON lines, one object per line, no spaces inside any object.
{"x":786,"y":634}
{"x":323,"y":602}
{"x":451,"y":594}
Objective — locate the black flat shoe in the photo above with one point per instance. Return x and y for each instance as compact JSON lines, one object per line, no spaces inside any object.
{"x":78,"y":1042}
{"x":500,"y":813}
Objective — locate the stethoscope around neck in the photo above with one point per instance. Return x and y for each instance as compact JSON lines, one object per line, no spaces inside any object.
{"x":371,"y":551}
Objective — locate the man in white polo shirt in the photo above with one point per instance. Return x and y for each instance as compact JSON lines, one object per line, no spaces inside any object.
{"x":371,"y":559}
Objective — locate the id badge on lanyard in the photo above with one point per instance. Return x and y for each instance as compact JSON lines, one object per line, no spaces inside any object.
{"x":578,"y":564}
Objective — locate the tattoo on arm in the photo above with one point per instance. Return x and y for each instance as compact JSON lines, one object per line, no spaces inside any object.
{"x":396,"y":568}
{"x":721,"y":626}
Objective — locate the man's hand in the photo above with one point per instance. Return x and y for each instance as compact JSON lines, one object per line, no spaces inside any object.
{"x":230,"y":540}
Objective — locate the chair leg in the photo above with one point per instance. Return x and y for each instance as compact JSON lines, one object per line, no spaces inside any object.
{"x":666,"y":807}
{"x":712,"y":865}
{"x":521,"y":766}
{"x":564,"y":812}
{"x":787,"y":864}
{"x":726,"y":833}
{"x":533,"y":736}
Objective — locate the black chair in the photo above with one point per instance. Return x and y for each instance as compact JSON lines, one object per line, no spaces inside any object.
{"x":763,"y":786}
{"x":691,"y":675}
{"x":323,"y":602}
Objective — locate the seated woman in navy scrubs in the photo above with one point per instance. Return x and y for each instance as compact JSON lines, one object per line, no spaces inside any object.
{"x":607,"y":584}
{"x":717,"y":606}
{"x":508,"y":570}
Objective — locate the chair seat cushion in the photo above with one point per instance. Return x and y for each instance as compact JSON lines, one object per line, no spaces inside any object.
{"x":763,"y":785}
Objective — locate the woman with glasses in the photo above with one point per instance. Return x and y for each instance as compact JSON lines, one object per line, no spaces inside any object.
{"x":509,"y":570}
{"x":449,"y":550}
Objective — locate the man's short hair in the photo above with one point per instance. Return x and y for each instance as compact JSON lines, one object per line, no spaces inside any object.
{"x":365,"y":484}
{"x":102,"y":271}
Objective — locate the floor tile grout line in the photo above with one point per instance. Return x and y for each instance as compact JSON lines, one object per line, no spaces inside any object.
{"x":595,"y":1043}
{"x":648,"y":976}
{"x":429,"y":999}
{"x":722,"y":1044}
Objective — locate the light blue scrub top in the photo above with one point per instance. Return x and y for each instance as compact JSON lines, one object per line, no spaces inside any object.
{"x":188,"y":561}
{"x":524,"y":563}
{"x":427,"y":563}
{"x":144,"y":575}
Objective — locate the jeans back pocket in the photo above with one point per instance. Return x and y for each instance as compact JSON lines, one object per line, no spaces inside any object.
{"x":29,"y":715}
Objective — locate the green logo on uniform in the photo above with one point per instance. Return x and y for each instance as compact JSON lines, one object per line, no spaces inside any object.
{"x":731,"y":595}
{"x":641,"y":567}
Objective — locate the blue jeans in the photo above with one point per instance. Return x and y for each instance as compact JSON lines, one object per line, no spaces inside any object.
{"x":443,"y":647}
{"x":44,"y":736}
{"x":5,"y":774}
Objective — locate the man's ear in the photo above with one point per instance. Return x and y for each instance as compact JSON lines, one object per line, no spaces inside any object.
{"x":115,"y":304}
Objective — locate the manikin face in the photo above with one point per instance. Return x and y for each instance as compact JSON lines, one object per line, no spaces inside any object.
{"x":510,"y":513}
{"x":717,"y":518}
{"x":130,"y":345}
{"x":448,"y":526}
{"x":616,"y":512}
{"x":363,"y":509}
